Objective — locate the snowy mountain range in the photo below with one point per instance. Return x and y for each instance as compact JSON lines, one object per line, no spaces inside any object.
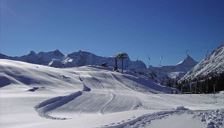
{"x":75,"y":59}
{"x":212,"y":64}
{"x":162,"y":74}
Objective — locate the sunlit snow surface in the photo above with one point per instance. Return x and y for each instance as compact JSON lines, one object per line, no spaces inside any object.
{"x":34,"y":96}
{"x":212,"y":64}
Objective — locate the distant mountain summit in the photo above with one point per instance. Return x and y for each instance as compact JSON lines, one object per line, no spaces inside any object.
{"x":42,"y":58}
{"x":187,"y":64}
{"x":187,"y":61}
{"x":81,"y":58}
{"x":2,"y":56}
{"x":212,"y":64}
{"x":164,"y":73}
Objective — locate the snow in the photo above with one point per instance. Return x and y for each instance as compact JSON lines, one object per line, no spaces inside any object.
{"x":212,"y":118}
{"x":90,"y":96}
{"x":181,"y":121}
{"x":16,"y":72}
{"x":164,"y":73}
{"x":214,"y":63}
{"x":174,"y":75}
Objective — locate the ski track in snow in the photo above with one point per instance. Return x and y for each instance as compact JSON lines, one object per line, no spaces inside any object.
{"x":102,"y":110}
{"x":211,"y":118}
{"x":136,"y":122}
{"x":45,"y":107}
{"x":86,"y":102}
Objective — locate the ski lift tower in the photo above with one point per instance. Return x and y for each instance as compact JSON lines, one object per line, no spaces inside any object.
{"x":187,"y":52}
{"x":160,"y":61}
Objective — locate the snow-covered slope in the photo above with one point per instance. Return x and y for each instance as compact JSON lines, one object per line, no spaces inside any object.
{"x":213,"y":64}
{"x":16,"y":72}
{"x":36,"y":96}
{"x":85,"y":89}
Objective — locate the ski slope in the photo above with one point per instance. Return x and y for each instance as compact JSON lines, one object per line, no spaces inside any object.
{"x":33,"y":96}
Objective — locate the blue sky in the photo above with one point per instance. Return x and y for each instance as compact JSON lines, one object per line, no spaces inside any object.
{"x":142,"y":28}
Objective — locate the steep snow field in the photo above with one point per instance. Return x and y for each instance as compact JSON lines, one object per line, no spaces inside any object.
{"x":213,"y":64}
{"x":34,"y":96}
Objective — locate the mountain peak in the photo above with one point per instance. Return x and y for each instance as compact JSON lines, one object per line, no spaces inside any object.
{"x":58,"y":52}
{"x":212,"y":64}
{"x":80,"y":53}
{"x":188,"y":61}
{"x":32,"y":53}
